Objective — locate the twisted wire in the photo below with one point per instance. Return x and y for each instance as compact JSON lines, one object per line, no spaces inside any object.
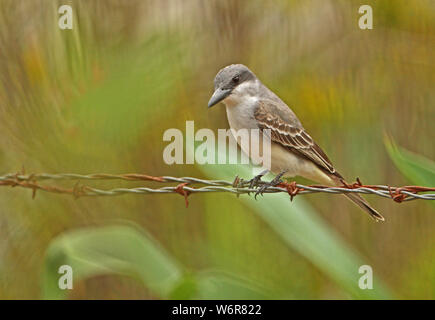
{"x":184,"y":187}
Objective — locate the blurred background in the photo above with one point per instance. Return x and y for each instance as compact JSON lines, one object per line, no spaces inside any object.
{"x":98,"y":98}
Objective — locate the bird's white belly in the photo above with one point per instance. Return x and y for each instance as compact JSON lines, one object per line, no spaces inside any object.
{"x":294,"y":165}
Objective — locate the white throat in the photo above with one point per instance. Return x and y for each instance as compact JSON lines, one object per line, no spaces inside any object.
{"x":241,"y":105}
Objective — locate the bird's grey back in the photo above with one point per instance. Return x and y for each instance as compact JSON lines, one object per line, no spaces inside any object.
{"x":269,"y":100}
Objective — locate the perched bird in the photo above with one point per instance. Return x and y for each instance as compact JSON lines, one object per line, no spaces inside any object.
{"x":251,"y":105}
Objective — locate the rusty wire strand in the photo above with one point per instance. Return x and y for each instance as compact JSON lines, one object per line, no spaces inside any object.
{"x":238,"y":186}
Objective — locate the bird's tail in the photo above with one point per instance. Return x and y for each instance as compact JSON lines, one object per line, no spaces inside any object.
{"x":363,"y":204}
{"x":358,"y":200}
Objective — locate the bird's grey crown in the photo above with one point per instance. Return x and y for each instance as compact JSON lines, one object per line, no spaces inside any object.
{"x":224,"y":77}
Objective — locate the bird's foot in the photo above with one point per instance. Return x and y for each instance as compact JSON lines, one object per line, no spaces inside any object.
{"x":255,"y":181}
{"x":276,"y":181}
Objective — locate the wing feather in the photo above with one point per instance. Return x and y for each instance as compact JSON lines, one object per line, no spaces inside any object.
{"x":290,"y":136}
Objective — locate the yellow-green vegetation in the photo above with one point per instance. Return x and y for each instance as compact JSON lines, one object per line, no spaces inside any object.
{"x":98,"y":98}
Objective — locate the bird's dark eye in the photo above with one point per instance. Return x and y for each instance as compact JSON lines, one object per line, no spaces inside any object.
{"x":236,"y":79}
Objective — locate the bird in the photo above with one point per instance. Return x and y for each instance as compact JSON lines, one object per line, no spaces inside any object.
{"x":251,"y":105}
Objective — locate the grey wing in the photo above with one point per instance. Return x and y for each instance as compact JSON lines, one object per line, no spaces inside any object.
{"x":286,"y":130}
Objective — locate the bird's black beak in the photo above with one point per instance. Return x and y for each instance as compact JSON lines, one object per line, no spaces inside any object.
{"x":218,"y":96}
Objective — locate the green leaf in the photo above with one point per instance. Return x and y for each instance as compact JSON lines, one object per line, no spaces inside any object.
{"x":301,"y":228}
{"x":119,"y":250}
{"x":128,"y":251}
{"x":418,"y":169}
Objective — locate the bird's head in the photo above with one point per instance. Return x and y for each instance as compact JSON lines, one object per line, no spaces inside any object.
{"x":228,"y":80}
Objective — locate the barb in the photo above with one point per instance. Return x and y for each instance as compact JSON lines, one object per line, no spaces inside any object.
{"x":184,"y":186}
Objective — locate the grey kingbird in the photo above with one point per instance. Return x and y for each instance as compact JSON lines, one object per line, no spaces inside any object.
{"x":251,"y":105}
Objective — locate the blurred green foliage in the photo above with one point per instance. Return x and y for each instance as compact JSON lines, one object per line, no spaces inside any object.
{"x":99,"y":97}
{"x":417,"y":169}
{"x":129,"y":251}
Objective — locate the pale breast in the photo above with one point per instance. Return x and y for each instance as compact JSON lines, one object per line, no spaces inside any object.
{"x":241,"y":116}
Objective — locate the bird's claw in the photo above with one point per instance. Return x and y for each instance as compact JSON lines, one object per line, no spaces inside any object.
{"x":276,"y":181}
{"x":255,"y":181}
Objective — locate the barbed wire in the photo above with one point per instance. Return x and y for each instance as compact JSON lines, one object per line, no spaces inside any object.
{"x":185,"y":186}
